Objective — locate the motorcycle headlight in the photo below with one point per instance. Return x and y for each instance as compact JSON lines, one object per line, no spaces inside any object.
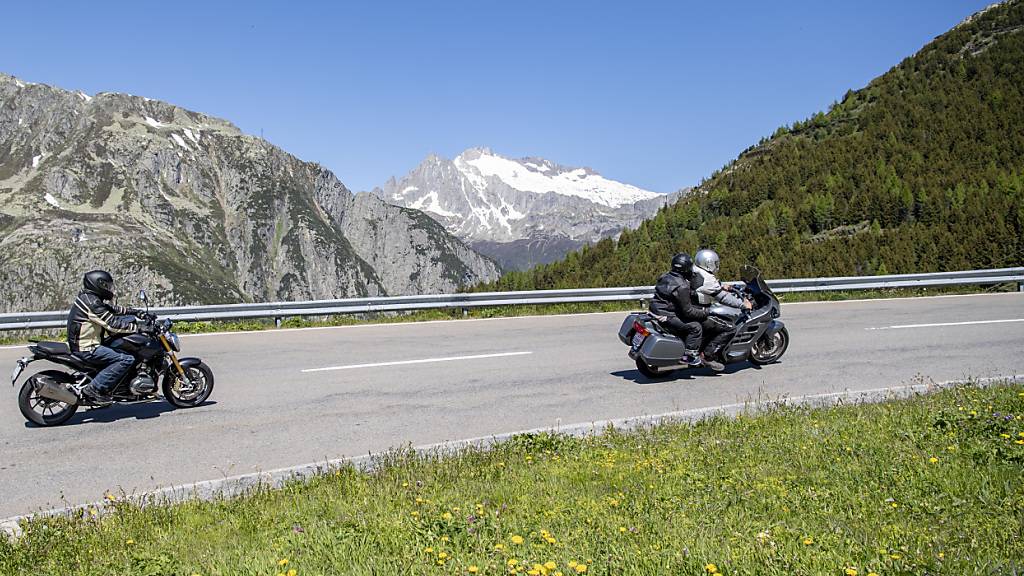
{"x":174,"y":341}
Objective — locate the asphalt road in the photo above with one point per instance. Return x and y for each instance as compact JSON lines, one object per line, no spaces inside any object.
{"x":481,"y":377}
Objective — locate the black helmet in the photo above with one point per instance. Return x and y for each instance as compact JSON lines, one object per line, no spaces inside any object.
{"x":682,"y":263}
{"x":100,"y":283}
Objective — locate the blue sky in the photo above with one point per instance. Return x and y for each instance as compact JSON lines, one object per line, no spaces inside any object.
{"x":656,"y":94}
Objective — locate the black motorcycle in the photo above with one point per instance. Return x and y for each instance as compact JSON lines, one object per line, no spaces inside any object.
{"x":51,"y":397}
{"x":760,"y":336}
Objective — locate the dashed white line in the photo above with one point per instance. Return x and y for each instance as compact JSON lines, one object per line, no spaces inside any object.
{"x":939,"y":324}
{"x":419,"y":361}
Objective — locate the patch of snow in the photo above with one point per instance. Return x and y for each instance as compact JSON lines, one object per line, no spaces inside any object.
{"x":19,"y":83}
{"x":51,"y":200}
{"x":155,"y":123}
{"x":84,"y":96}
{"x":537,"y":167}
{"x":37,"y":159}
{"x":20,"y":122}
{"x":577,"y":182}
{"x":180,"y":142}
{"x":193,"y":136}
{"x":406,"y":190}
{"x":430,"y":203}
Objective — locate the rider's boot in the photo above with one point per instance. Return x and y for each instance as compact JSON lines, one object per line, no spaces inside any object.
{"x":692,"y":358}
{"x":710,"y":362}
{"x":95,"y":395}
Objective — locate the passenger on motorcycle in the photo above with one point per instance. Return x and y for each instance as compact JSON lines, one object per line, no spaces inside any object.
{"x":717,"y":330}
{"x":92,"y":323}
{"x":673,"y":307}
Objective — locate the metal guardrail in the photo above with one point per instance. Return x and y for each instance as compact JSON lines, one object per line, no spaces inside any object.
{"x":279,"y":310}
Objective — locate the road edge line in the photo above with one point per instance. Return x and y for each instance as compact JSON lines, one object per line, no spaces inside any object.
{"x":234,"y":486}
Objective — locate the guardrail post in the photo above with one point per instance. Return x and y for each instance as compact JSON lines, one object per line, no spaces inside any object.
{"x":1020,"y":286}
{"x":277,"y":321}
{"x":465,"y":312}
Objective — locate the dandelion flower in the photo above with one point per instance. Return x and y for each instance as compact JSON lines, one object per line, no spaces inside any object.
{"x":442,"y":555}
{"x":851,"y":572}
{"x":292,"y":572}
{"x":499,"y":546}
{"x":517,"y":539}
{"x":581,"y":568}
{"x":472,"y":569}
{"x":282,"y":562}
{"x":512,"y":561}
{"x":550,"y":565}
{"x":808,"y":541}
{"x":129,"y":541}
{"x":711,"y":569}
{"x":933,"y":459}
{"x":622,"y":529}
{"x":872,"y":573}
{"x":428,"y":549}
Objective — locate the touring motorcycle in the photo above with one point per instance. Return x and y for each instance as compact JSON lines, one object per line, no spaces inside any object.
{"x":760,"y":336}
{"x":51,"y":397}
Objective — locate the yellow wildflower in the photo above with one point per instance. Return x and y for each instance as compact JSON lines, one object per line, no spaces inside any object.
{"x":1018,"y":441}
{"x":872,"y":573}
{"x":533,"y":572}
{"x":581,"y":568}
{"x":292,"y":572}
{"x":622,"y":529}
{"x":573,"y":563}
{"x":428,"y":549}
{"x":933,"y":459}
{"x":851,"y":572}
{"x":517,"y":539}
{"x":499,"y":546}
{"x":414,"y":513}
{"x":282,"y":562}
{"x":129,"y":541}
{"x":442,"y":555}
{"x":446,"y":516}
{"x":711,"y":569}
{"x":512,"y":561}
{"x":472,"y":569}
{"x":808,"y":541}
{"x":550,"y":565}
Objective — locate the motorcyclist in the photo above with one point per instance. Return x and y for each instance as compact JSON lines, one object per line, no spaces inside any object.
{"x":711,"y":290}
{"x":673,"y":306}
{"x":92,"y":322}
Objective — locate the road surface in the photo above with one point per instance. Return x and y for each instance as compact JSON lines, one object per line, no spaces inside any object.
{"x":291,"y":397}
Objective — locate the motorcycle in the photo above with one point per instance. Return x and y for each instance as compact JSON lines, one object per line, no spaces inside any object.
{"x":760,"y":336}
{"x":51,"y":397}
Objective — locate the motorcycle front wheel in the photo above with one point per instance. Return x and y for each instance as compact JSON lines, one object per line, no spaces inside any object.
{"x":40,"y":410}
{"x":192,"y":391}
{"x":770,"y":348}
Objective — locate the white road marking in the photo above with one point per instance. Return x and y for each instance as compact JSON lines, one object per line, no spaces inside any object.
{"x":420,"y":361}
{"x":938,"y":324}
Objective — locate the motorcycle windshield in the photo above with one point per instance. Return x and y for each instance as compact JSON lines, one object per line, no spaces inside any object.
{"x":751,"y":275}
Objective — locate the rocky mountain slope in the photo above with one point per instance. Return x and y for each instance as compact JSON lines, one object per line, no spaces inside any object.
{"x":521,"y":212}
{"x":191,"y":208}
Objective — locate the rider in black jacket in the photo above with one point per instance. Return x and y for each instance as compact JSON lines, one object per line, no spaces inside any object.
{"x":673,"y":306}
{"x":92,"y":323}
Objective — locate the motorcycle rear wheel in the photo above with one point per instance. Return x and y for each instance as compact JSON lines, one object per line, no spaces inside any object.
{"x":192,"y":393}
{"x":43,"y":411}
{"x":769,"y":349}
{"x":649,"y":371}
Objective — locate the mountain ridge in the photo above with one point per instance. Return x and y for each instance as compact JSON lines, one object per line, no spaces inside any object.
{"x":189,"y":206}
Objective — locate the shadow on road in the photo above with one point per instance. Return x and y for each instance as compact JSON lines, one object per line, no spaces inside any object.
{"x":684,"y":374}
{"x":116,"y":412}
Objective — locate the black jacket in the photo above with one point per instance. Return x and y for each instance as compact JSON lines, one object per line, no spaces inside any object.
{"x":672,"y":298}
{"x":92,"y":321}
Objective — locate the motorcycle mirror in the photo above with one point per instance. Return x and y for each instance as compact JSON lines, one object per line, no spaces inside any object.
{"x":142,"y":296}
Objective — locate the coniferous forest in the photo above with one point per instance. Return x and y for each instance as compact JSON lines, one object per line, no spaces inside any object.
{"x":920,"y":171}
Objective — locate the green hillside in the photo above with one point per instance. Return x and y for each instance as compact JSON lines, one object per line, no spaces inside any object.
{"x":922,"y":170}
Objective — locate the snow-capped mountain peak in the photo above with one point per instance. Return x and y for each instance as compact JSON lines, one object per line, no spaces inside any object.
{"x":531,"y":207}
{"x":542,"y":176}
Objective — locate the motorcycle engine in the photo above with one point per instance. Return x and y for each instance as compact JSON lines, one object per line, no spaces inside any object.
{"x":143,"y":384}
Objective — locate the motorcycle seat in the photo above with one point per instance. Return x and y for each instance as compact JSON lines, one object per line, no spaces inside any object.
{"x":53,"y":348}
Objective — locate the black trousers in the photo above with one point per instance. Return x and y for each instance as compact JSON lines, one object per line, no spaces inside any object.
{"x":690,"y":332}
{"x":717,"y":332}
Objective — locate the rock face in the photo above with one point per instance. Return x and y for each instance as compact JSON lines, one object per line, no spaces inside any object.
{"x":194,"y":210}
{"x":521,"y":212}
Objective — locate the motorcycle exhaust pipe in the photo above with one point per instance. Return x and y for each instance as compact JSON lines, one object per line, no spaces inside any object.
{"x":47,"y":388}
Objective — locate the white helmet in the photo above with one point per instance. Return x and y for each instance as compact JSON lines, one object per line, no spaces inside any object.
{"x":706,"y":259}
